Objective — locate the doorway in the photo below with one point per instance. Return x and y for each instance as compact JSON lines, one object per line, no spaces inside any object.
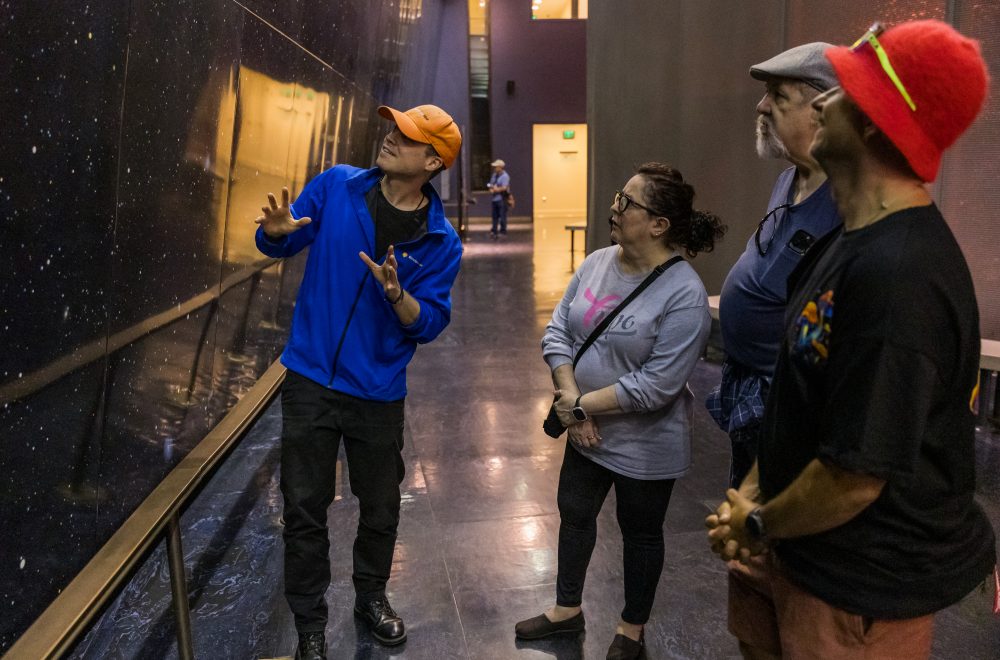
{"x":559,"y":199}
{"x":559,"y":172}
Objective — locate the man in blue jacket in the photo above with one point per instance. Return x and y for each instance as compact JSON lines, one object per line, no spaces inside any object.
{"x":381,"y":264}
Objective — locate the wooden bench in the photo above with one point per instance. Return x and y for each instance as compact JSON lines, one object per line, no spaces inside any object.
{"x":989,"y":356}
{"x":572,"y":229}
{"x":713,"y":306}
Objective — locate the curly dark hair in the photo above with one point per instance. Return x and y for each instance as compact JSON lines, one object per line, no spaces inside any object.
{"x":670,"y":196}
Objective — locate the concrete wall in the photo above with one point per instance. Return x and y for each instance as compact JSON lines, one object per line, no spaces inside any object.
{"x":451,"y":86}
{"x":677,"y":90}
{"x":667,"y":80}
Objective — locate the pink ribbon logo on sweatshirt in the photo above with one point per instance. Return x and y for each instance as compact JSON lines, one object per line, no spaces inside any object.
{"x":598,"y":307}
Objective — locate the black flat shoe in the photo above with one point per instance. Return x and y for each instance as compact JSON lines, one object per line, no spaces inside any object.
{"x":625,"y":648}
{"x":540,"y":626}
{"x":312,"y":646}
{"x":383,"y":622}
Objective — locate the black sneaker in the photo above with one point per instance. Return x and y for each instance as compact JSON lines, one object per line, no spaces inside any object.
{"x":312,"y":646}
{"x":383,"y":622}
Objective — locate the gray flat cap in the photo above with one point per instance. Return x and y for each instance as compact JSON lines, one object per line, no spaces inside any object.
{"x":806,"y":63}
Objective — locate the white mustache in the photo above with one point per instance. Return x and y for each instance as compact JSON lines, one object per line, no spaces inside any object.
{"x":768,"y":144}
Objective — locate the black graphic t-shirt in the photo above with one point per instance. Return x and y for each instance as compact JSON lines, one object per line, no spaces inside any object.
{"x":877,"y":374}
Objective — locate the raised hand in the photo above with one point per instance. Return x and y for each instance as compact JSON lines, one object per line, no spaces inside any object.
{"x":386,"y":273}
{"x":277,"y":220}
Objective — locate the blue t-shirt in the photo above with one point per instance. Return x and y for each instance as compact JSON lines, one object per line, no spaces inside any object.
{"x":752,"y":304}
{"x":502,"y":179}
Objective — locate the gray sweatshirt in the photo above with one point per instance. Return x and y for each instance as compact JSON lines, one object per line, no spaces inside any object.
{"x":648,"y":353}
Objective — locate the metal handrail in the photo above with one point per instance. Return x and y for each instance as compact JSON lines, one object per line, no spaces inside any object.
{"x":70,"y":615}
{"x":98,"y":348}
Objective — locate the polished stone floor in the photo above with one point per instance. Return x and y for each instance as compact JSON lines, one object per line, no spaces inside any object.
{"x":477,"y":540}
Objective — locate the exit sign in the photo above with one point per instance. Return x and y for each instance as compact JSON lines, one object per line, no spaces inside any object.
{"x":569,"y":135}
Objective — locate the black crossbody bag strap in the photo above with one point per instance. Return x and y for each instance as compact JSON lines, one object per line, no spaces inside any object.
{"x":602,"y":326}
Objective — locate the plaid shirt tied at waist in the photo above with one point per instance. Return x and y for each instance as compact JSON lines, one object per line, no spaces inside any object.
{"x":738,"y":402}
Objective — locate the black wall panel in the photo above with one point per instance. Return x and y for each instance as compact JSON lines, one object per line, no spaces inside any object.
{"x":140,"y":139}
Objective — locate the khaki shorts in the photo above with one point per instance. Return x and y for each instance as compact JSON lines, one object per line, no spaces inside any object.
{"x":769,"y":613}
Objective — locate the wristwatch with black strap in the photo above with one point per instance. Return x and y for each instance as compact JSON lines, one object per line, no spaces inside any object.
{"x":755,"y":527}
{"x":579,"y":413}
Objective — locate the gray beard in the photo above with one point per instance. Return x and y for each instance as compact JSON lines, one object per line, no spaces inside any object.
{"x":769,"y":145}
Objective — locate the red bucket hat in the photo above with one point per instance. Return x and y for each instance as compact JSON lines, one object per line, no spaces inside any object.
{"x":942,"y":71}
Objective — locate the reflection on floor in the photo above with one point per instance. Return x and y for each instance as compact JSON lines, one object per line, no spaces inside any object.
{"x":477,"y":541}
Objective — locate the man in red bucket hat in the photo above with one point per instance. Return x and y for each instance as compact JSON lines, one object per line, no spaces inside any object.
{"x":863,"y":488}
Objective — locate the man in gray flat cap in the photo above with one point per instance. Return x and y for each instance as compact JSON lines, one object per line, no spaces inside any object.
{"x":801,"y":210}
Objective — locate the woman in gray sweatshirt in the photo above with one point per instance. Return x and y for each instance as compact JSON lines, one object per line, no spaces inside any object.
{"x":626,"y":404}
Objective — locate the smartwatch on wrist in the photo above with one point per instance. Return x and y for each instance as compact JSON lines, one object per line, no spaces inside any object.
{"x":755,"y":526}
{"x":579,"y":413}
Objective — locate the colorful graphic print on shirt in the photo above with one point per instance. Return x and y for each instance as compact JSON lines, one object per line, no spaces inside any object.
{"x":812,"y":330}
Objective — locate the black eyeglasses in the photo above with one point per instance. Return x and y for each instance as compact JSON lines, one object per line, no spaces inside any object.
{"x":760,"y":228}
{"x":622,"y":202}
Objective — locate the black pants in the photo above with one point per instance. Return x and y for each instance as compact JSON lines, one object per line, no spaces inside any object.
{"x":642,"y":506}
{"x":315,"y":419}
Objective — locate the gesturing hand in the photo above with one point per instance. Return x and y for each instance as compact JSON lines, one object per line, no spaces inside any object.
{"x":277,"y":221}
{"x":386,"y":273}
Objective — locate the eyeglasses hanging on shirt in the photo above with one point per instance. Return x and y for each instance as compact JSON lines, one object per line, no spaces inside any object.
{"x":773,"y":216}
{"x":800,"y":242}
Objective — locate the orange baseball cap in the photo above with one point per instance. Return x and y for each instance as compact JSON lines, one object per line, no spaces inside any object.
{"x":428,"y":124}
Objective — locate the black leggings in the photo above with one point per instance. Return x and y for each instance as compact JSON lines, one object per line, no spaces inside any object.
{"x":642,"y":506}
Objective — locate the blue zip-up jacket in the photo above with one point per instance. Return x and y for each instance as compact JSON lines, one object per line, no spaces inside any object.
{"x":345,"y":335}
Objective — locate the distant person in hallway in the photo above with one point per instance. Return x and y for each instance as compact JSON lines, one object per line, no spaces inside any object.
{"x":801,"y":210}
{"x":382,"y":261}
{"x":626,"y":404}
{"x":499,"y":186}
{"x":864,"y":484}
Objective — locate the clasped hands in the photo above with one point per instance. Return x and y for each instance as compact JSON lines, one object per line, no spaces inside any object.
{"x":581,"y":434}
{"x":727,"y":533}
